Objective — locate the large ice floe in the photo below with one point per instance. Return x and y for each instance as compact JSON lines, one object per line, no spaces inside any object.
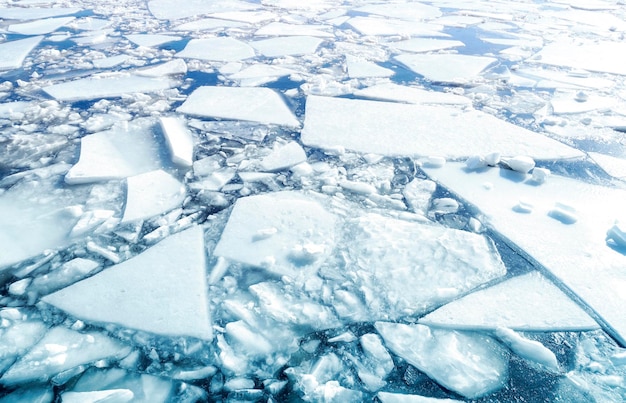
{"x":318,"y":201}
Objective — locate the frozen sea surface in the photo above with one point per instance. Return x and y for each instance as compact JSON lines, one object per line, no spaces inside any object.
{"x":320,"y":201}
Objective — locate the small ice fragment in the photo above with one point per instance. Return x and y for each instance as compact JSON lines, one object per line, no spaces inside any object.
{"x":492,"y":159}
{"x":358,"y":187}
{"x":284,"y":156}
{"x":521,"y":163}
{"x":264,"y":233}
{"x":540,"y":175}
{"x":104,"y":252}
{"x":617,"y":234}
{"x":564,"y":213}
{"x":238,"y":384}
{"x":19,"y":287}
{"x":150,"y":194}
{"x":523,"y":207}
{"x":346,"y":337}
{"x":530,"y":350}
{"x":302,"y":255}
{"x":445,"y":205}
{"x":179,"y":140}
{"x":581,"y":96}
{"x":619,"y":359}
{"x":475,"y":162}
{"x":435,"y":162}
{"x":218,"y":271}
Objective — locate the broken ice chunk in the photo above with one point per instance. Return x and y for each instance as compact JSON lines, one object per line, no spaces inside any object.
{"x":59,"y":350}
{"x":411,"y":95}
{"x":18,"y":337}
{"x":151,"y":194}
{"x":521,"y":163}
{"x":539,"y":175}
{"x":530,"y":350}
{"x":475,"y":162}
{"x":469,"y":364}
{"x":107,"y":86}
{"x":127,"y":149}
{"x":617,"y":234}
{"x":445,"y":205}
{"x":179,"y":140}
{"x":359,"y":68}
{"x":150,"y":40}
{"x":70,"y":272}
{"x":600,"y":56}
{"x":299,"y":220}
{"x":224,"y":49}
{"x":39,"y":27}
{"x":13,"y":53}
{"x":563,"y":213}
{"x":283,"y":156}
{"x":387,"y":397}
{"x":163,"y":290}
{"x":417,"y":194}
{"x":287,"y":46}
{"x":446,"y":68}
{"x":109,"y":395}
{"x":523,"y":207}
{"x":376,"y":362}
{"x":261,"y":105}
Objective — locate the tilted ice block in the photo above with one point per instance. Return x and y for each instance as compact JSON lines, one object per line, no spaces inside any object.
{"x":113,"y":395}
{"x":17,"y":338}
{"x":283,"y":232}
{"x":614,"y":166}
{"x":469,"y":364}
{"x":446,"y":68}
{"x":150,"y":194}
{"x":163,"y":290}
{"x":179,"y":140}
{"x":59,"y":350}
{"x":224,"y":49}
{"x":528,"y":302}
{"x":173,"y":67}
{"x":530,"y":350}
{"x":13,"y":53}
{"x":388,"y":128}
{"x":125,"y":150}
{"x":577,"y":253}
{"x":261,"y":105}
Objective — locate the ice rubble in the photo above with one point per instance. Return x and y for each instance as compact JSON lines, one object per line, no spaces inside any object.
{"x":161,"y":290}
{"x":529,"y":302}
{"x":418,"y":130}
{"x":586,"y":264}
{"x":253,"y":104}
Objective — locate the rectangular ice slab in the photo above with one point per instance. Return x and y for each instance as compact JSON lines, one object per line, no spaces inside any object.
{"x":529,"y":302}
{"x":13,"y":53}
{"x":561,"y":223}
{"x":469,"y":364}
{"x":261,"y":105}
{"x":163,"y":290}
{"x":179,"y":140}
{"x":107,"y":86}
{"x":387,"y":128}
{"x":59,"y":350}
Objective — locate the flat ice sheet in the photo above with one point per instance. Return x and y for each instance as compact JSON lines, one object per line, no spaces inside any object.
{"x":287,"y":45}
{"x":388,"y":128}
{"x":13,"y":53}
{"x":162,"y":290}
{"x":600,"y":56}
{"x":107,"y":86}
{"x":150,"y":194}
{"x":283,"y":29}
{"x":614,"y":166}
{"x":261,"y":105}
{"x":410,"y":11}
{"x":152,"y":39}
{"x":223,"y":49}
{"x":123,"y":151}
{"x":377,"y":26}
{"x":568,"y":238}
{"x":446,"y":68}
{"x":411,"y":95}
{"x":529,"y":302}
{"x":361,"y":68}
{"x":35,"y":13}
{"x":166,"y":10}
{"x":424,"y":44}
{"x":40,"y":27}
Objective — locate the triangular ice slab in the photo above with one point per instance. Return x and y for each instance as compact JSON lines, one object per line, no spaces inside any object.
{"x":282,"y":232}
{"x":13,"y":53}
{"x":529,"y":302}
{"x":125,"y":150}
{"x":387,"y":128}
{"x":239,"y":103}
{"x":162,"y":291}
{"x":59,"y":350}
{"x":446,"y":68}
{"x":562,"y":224}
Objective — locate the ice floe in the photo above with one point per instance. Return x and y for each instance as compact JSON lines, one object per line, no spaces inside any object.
{"x":446,"y":68}
{"x":162,"y":290}
{"x":13,"y":53}
{"x":411,"y":95}
{"x":529,"y":302}
{"x":224,"y":49}
{"x":602,"y":56}
{"x":150,"y":194}
{"x":417,"y":130}
{"x":164,"y":9}
{"x":261,"y":105}
{"x":287,"y":45}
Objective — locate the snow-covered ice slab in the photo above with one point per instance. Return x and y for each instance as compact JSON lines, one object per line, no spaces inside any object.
{"x":600,"y":56}
{"x":261,"y":105}
{"x":40,"y":27}
{"x":107,"y":86}
{"x":528,"y":302}
{"x":173,"y":67}
{"x":179,"y":140}
{"x":223,"y":49}
{"x":425,"y":44}
{"x":150,"y":40}
{"x":571,"y":102}
{"x":283,"y":29}
{"x":13,"y":53}
{"x":361,"y":68}
{"x":613,"y":166}
{"x":287,"y":46}
{"x":35,"y":13}
{"x":59,"y":350}
{"x":388,"y":128}
{"x":208,"y":24}
{"x":562,"y":224}
{"x":390,"y":27}
{"x":166,"y":10}
{"x":163,"y":290}
{"x":410,"y":11}
{"x":283,"y":156}
{"x":150,"y":194}
{"x":469,"y":364}
{"x":446,"y":68}
{"x":411,"y":95}
{"x":284,"y":232}
{"x":125,"y":150}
